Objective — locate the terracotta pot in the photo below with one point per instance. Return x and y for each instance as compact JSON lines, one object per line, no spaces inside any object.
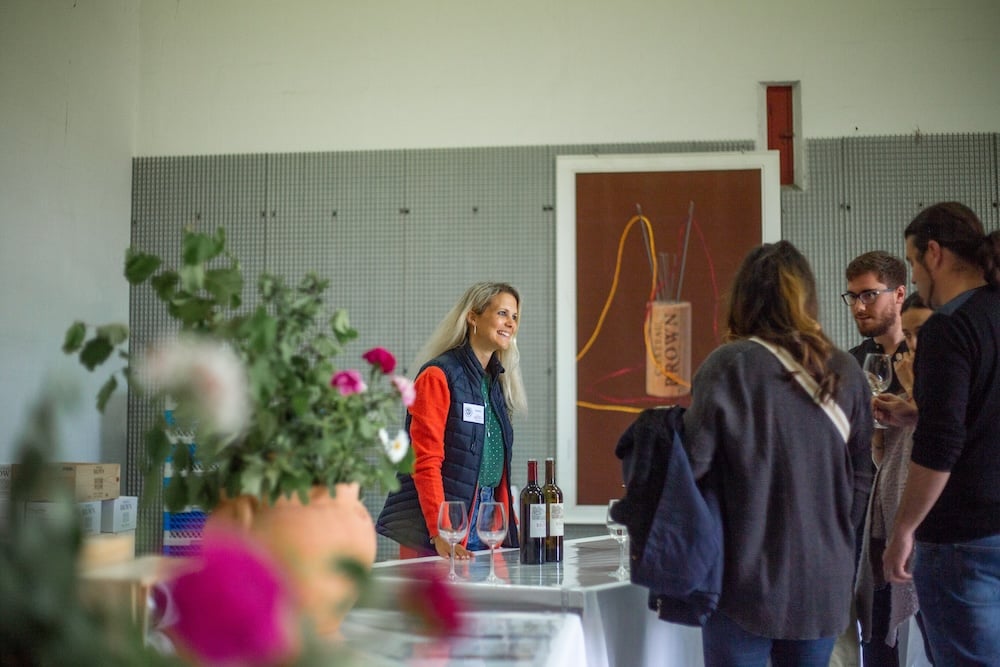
{"x":307,"y":540}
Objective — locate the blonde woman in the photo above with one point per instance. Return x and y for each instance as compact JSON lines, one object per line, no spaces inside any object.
{"x":468,"y":388}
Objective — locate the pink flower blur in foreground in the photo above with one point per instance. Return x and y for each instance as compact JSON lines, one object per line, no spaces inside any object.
{"x":381,"y":357}
{"x":235,"y":607}
{"x":348,"y":382}
{"x":405,"y":388}
{"x":429,"y":599}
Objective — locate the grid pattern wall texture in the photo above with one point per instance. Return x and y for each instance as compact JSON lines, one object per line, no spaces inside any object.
{"x":400,"y":234}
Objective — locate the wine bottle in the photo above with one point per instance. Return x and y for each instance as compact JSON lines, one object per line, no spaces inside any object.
{"x":532,"y":519}
{"x":553,"y":514}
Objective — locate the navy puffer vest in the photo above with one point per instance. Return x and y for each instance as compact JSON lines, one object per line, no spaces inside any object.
{"x":401,"y":518}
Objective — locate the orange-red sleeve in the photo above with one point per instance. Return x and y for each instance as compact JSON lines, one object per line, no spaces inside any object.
{"x":428,"y":417}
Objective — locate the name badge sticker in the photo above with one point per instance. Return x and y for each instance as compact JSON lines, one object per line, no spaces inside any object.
{"x":474,"y":413}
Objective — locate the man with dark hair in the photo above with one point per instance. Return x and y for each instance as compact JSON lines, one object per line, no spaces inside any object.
{"x":876,"y":288}
{"x":949,"y":516}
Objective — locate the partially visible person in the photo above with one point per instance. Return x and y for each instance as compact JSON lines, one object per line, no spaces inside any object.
{"x":785,"y":455}
{"x":468,"y":387}
{"x":949,"y":515}
{"x":876,"y":287}
{"x":915,"y":312}
{"x":884,"y":607}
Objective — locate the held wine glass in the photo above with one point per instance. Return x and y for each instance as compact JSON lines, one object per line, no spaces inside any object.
{"x":878,"y":371}
{"x":619,"y":533}
{"x":491,"y":526}
{"x":453,"y":524}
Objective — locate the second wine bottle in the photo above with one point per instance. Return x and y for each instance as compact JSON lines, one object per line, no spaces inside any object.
{"x":553,"y":514}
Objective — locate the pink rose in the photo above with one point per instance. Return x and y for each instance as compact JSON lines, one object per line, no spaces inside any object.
{"x":233,"y":606}
{"x":405,"y":388}
{"x":348,"y":382}
{"x":429,"y":598}
{"x":381,"y":357}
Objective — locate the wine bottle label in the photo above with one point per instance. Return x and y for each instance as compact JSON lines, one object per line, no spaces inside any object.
{"x":555,"y":520}
{"x":536,"y":524}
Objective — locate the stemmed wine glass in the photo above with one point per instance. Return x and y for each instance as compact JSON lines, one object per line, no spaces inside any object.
{"x":619,"y":533}
{"x":453,"y":524}
{"x":878,"y":371}
{"x":491,"y":526}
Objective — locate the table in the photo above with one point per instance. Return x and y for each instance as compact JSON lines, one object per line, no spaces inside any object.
{"x":487,"y":639}
{"x":618,"y":628}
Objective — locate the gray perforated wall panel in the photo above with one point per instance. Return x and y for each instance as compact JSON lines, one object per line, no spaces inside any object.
{"x":400,"y":234}
{"x":864,"y":191}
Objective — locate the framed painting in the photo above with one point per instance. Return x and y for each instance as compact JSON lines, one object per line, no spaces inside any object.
{"x":646,"y":246}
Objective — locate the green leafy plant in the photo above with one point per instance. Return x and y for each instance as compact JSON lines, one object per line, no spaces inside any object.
{"x":308,"y":423}
{"x":43,"y":619}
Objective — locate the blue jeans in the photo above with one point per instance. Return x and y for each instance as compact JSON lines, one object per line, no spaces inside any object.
{"x":726,"y":644}
{"x":958,"y":586}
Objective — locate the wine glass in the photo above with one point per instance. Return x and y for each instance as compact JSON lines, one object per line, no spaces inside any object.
{"x":491,"y":526}
{"x":878,"y":372}
{"x":453,"y":524}
{"x":619,"y":532}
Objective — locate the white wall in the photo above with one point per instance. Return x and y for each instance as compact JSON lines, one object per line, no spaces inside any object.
{"x":68,"y":72}
{"x":238,"y":76}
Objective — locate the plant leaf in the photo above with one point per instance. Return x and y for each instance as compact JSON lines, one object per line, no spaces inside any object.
{"x":191,"y":310}
{"x":192,"y":277}
{"x":105,"y":393}
{"x":139,"y":266}
{"x":341,"y":326}
{"x":175,"y":493}
{"x":114,"y":333}
{"x":75,"y":336}
{"x":223,"y":284}
{"x":158,"y":446}
{"x":95,"y":352}
{"x":165,"y":284}
{"x":200,"y":248}
{"x":301,"y":401}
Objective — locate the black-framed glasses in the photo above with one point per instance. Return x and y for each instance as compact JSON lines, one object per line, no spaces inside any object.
{"x":867,"y":297}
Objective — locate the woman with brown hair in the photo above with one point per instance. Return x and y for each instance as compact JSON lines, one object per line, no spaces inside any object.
{"x":782,"y":419}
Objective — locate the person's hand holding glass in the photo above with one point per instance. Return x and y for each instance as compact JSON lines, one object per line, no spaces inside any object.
{"x":491,"y":526}
{"x":619,"y":533}
{"x":878,"y":372}
{"x":453,"y":524}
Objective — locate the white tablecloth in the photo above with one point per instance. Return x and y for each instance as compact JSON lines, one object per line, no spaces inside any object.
{"x":618,"y":628}
{"x":487,"y":639}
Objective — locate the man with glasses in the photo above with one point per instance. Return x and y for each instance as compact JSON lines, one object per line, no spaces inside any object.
{"x":876,"y":288}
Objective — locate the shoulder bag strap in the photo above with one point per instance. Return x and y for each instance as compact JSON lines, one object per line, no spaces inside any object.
{"x":830,"y":407}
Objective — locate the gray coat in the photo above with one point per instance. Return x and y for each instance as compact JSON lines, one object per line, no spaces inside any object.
{"x":788,"y":488}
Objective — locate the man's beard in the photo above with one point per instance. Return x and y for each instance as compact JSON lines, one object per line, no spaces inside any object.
{"x":875,"y":327}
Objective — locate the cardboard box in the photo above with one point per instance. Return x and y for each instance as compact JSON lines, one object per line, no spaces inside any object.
{"x":119,"y":514}
{"x":106,"y":549}
{"x":43,"y":510}
{"x":86,"y":481}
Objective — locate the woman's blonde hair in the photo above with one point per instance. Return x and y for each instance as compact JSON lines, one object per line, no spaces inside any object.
{"x":453,"y":330}
{"x":774,"y":298}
